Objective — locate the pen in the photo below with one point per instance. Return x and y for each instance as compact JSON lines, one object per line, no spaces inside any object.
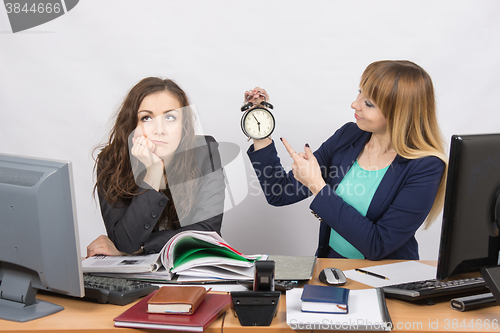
{"x":370,"y":273}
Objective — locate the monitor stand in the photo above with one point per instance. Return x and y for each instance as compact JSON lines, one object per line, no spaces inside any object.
{"x":17,"y":298}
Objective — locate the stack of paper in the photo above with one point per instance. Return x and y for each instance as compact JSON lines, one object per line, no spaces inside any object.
{"x":206,"y":254}
{"x":192,"y":255}
{"x":121,"y":264}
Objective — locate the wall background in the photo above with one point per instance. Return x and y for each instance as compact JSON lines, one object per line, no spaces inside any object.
{"x":61,"y":82}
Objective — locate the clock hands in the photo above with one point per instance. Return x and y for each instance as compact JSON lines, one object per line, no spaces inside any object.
{"x":258,"y":123}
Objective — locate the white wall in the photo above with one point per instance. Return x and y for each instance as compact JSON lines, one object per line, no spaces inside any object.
{"x":60,"y":82}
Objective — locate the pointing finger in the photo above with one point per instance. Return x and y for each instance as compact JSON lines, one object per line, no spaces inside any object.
{"x":289,"y":149}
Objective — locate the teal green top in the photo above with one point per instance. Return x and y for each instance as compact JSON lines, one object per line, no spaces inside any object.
{"x":357,"y":189}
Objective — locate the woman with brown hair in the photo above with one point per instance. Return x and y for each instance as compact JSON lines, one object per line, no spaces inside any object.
{"x":155,"y":177}
{"x":375,"y":181}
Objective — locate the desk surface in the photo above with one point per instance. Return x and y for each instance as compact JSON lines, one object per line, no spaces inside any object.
{"x":84,"y":316}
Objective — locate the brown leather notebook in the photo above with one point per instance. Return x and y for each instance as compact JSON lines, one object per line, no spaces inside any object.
{"x":177,"y":299}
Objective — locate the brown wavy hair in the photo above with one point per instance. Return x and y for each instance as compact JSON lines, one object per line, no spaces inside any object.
{"x":404,"y":93}
{"x":115,"y":175}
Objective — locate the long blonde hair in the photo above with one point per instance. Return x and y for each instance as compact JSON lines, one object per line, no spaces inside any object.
{"x":404,"y":93}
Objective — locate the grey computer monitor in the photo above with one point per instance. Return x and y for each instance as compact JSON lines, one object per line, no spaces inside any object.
{"x":39,"y":244}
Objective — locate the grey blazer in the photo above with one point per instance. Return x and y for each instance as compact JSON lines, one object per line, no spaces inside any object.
{"x":132,"y":226}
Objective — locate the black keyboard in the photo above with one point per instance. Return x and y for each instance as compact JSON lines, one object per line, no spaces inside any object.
{"x":428,"y":289}
{"x":115,"y":290}
{"x":279,"y":285}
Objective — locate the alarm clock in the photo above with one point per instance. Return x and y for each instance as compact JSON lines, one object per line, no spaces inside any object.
{"x":258,"y":122}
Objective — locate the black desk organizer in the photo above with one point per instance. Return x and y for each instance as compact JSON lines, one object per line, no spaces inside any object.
{"x":255,"y":308}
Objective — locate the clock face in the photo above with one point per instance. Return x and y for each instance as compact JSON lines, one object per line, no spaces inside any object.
{"x":257,"y":123}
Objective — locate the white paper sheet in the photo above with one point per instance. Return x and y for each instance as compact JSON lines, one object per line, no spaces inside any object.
{"x":121,"y":264}
{"x":401,"y":272}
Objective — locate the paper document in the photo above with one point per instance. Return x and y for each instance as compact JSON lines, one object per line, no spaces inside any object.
{"x":121,"y":264}
{"x":401,"y":272}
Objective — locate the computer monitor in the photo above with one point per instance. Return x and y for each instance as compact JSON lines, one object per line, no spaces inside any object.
{"x":39,"y":244}
{"x":471,"y":218}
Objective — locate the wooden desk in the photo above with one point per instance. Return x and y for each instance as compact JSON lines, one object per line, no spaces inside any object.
{"x":83,"y":316}
{"x":406,"y":316}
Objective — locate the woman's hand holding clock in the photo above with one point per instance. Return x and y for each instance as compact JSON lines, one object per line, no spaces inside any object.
{"x":256,"y":96}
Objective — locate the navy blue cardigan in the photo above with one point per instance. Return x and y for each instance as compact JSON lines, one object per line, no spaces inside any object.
{"x":398,"y":208}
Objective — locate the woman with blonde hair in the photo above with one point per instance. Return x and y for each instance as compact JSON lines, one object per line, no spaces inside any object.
{"x":155,"y":177}
{"x":375,"y":181}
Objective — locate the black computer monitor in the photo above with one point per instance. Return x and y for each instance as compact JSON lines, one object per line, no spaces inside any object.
{"x":39,"y":244}
{"x":471,"y":218}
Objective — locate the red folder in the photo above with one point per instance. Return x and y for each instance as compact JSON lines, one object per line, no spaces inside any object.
{"x":207,"y":312}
